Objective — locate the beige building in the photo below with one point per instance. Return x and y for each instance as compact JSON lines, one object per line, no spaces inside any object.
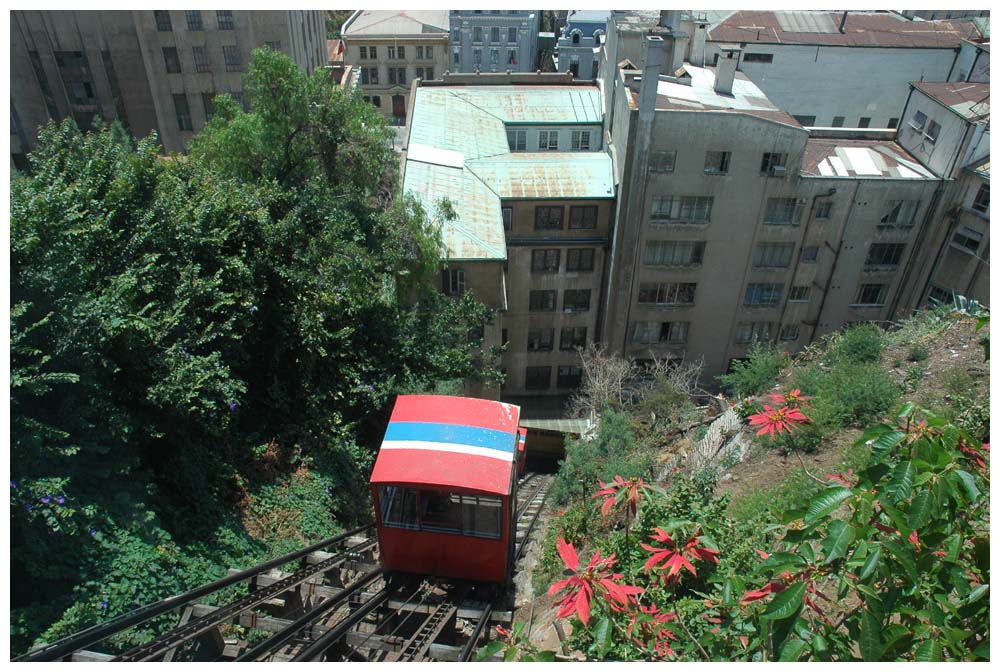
{"x":152,"y":70}
{"x":522,"y":161}
{"x":387,"y":50}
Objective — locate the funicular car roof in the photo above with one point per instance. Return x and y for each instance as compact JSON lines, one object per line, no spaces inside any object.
{"x":450,"y":443}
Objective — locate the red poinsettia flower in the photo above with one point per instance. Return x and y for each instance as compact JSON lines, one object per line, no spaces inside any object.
{"x":847,"y":479}
{"x":915,"y":539}
{"x":652,"y":628}
{"x":621,"y":490}
{"x":976,"y":455}
{"x":795,"y":398}
{"x":674,"y":558}
{"x":761,"y":593}
{"x":785,"y":419}
{"x":596,"y":579}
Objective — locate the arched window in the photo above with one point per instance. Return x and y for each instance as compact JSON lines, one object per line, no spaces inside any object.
{"x":576,"y":36}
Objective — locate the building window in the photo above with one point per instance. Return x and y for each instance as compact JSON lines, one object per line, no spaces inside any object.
{"x":376,"y":101}
{"x":799,"y":294}
{"x":193,"y":18}
{"x":201,"y":63}
{"x":477,"y":34}
{"x":918,"y":121}
{"x":162,"y":21}
{"x":225,"y":19}
{"x":939,"y":295}
{"x":660,"y":332}
{"x":810,"y":253}
{"x":170,"y":60}
{"x":569,"y":376}
{"x":682,"y":209}
{"x":540,"y":340}
{"x":571,"y":338}
{"x":901,"y":213}
{"x":789,"y":332}
{"x":182,"y":111}
{"x":517,"y":140}
{"x":717,"y":163}
{"x":576,"y":300}
{"x":545,"y":261}
{"x":420,"y":53}
{"x":823,"y":209}
{"x":429,"y":52}
{"x":773,"y":163}
{"x":893,"y":122}
{"x":494,"y":56}
{"x":477,"y":56}
{"x":967,"y":240}
{"x":667,"y":293}
{"x":372,"y":52}
{"x":548,"y":141}
{"x":512,"y":35}
{"x":273,"y":45}
{"x":233,"y":57}
{"x":870,"y":295}
{"x":758,"y":58}
{"x":805,"y":119}
{"x":542,"y":301}
{"x":208,"y":102}
{"x":981,"y":203}
{"x":397,"y":76}
{"x":508,"y":218}
{"x":583,"y":217}
{"x":580,"y":259}
{"x":673,"y":253}
{"x":512,"y":57}
{"x":580,"y":140}
{"x":864,"y":122}
{"x":748,"y":332}
{"x":763,"y":294}
{"x":773,"y":255}
{"x":548,"y":218}
{"x":537,"y":377}
{"x":369,"y":76}
{"x":884,"y":254}
{"x":662,"y":162}
{"x":933,"y":129}
{"x":782,"y":212}
{"x":454,"y":282}
{"x":390,"y":53}
{"x":456,"y":55}
{"x":495,"y":34}
{"x":81,"y":93}
{"x":456,"y":36}
{"x":402,"y":53}
{"x":838,"y":122}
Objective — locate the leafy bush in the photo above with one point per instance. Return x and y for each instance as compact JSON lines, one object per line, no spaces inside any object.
{"x":854,"y":395}
{"x":917,"y":353}
{"x":859,"y":344}
{"x":758,"y":372}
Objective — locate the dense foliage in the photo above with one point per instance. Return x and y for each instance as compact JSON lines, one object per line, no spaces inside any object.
{"x":198,"y":342}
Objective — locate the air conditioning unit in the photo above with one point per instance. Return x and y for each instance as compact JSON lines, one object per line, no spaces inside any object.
{"x":778,"y":171}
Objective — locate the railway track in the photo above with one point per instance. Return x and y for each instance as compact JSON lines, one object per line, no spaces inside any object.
{"x":337,"y":605}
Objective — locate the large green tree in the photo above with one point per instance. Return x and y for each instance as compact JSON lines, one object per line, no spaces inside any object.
{"x":178,"y":323}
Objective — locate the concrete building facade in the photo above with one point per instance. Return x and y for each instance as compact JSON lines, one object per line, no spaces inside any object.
{"x":493,"y":40}
{"x":387,"y":50}
{"x":577,"y":47}
{"x":152,"y":70}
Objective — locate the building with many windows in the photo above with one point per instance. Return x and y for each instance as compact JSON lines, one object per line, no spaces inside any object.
{"x":387,"y":50}
{"x":152,"y":70}
{"x":521,"y":159}
{"x":485,"y":40}
{"x":577,"y":48}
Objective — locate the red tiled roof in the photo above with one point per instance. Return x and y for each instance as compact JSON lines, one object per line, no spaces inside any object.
{"x":956,"y":95}
{"x":860,"y":30}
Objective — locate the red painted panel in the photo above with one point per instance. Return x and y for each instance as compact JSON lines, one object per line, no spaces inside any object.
{"x":456,"y":410}
{"x":454,"y":472}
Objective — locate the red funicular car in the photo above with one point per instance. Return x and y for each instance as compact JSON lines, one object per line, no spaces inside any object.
{"x":522,"y":442}
{"x":444,"y":486}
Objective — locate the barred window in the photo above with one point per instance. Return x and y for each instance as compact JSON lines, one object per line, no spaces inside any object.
{"x":548,"y":217}
{"x":512,"y":35}
{"x":580,"y":259}
{"x":660,"y":332}
{"x":540,"y":340}
{"x":537,"y":377}
{"x":717,"y":163}
{"x":662,"y":162}
{"x":193,"y":19}
{"x":748,"y":332}
{"x":162,"y":20}
{"x":576,"y":300}
{"x":982,"y":202}
{"x":772,"y":163}
{"x":583,"y":217}
{"x":824,"y":209}
{"x":870,"y":295}
{"x":183,"y":112}
{"x":884,"y":254}
{"x":782,"y":212}
{"x":773,"y":255}
{"x":233,"y":58}
{"x":789,"y":332}
{"x":682,"y":208}
{"x":571,"y":338}
{"x":667,"y":293}
{"x":201,"y":63}
{"x":171,"y":60}
{"x":542,"y":300}
{"x":569,"y":376}
{"x":763,"y":294}
{"x":225,"y":19}
{"x":545,"y":261}
{"x":810,"y":253}
{"x":900,"y":213}
{"x":799,"y":293}
{"x":673,"y":253}
{"x":967,"y":240}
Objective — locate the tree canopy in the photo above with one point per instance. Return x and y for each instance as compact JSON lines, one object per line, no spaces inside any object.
{"x":187,"y":332}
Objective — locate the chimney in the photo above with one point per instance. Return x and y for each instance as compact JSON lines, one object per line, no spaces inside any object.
{"x":652,"y":60}
{"x":698,"y":43}
{"x":843,"y":22}
{"x":668,"y":19}
{"x":725,"y":70}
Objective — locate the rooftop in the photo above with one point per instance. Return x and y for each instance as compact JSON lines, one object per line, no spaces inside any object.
{"x":401,"y":23}
{"x":587,"y":16}
{"x":982,"y":168}
{"x":458,"y":149}
{"x":825,"y":157}
{"x":862,"y":29}
{"x":971,"y":100}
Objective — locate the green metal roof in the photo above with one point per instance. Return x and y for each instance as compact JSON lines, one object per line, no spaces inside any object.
{"x":458,"y":149}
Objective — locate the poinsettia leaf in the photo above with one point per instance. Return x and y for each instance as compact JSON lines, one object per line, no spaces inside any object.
{"x":787,"y":603}
{"x":883,"y":444}
{"x":870,"y":563}
{"x":839,"y":537}
{"x":825,"y":503}
{"x":920,"y":510}
{"x":901,"y":485}
{"x":904,"y":556}
{"x":929,"y":652}
{"x":870,"y":641}
{"x":791,"y":651}
{"x":490,"y":650}
{"x":602,"y":637}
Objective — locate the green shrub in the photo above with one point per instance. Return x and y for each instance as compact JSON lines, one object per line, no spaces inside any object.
{"x":853,"y":395}
{"x":758,"y":372}
{"x":917,"y":353}
{"x":860,"y":344}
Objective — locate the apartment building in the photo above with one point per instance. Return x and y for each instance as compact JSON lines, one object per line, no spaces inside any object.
{"x":521,"y":159}
{"x":152,"y":70}
{"x":577,"y":48}
{"x":841,"y":69}
{"x":484,"y":40}
{"x":735,"y":224}
{"x":387,"y":50}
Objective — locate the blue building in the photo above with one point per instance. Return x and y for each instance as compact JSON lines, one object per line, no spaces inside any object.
{"x":578,"y":44}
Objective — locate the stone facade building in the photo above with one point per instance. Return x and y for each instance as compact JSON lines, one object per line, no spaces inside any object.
{"x":484,"y":40}
{"x":577,"y":48}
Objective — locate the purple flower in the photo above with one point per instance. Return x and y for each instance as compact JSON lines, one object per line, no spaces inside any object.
{"x":13,"y":484}
{"x":232,"y":406}
{"x":60,"y":499}
{"x":93,"y":532}
{"x":104,"y":604}
{"x":27,"y":507}
{"x":252,"y":309}
{"x":46,"y":499}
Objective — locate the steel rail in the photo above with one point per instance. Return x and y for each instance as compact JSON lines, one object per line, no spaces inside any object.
{"x":422,"y":591}
{"x":272,"y":643}
{"x":95,"y":633}
{"x":470,"y":645}
{"x":179,"y":635}
{"x":317,"y":648}
{"x":531,"y":499}
{"x":534,"y":519}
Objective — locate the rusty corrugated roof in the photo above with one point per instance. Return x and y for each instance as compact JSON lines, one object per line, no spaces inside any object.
{"x":969,"y":99}
{"x":862,"y":29}
{"x":834,"y":157}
